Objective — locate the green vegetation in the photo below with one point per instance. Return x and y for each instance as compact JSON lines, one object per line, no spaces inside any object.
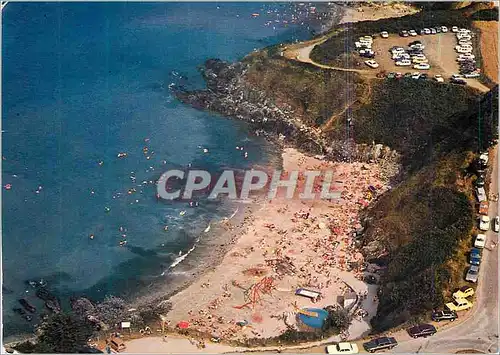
{"x":423,"y":226}
{"x":412,"y":116}
{"x":61,"y":333}
{"x":485,"y":15}
{"x":314,"y":94}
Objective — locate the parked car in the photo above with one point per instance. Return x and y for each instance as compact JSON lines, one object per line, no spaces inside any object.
{"x":399,"y":75}
{"x":424,"y":76}
{"x":472,"y":274}
{"x":479,"y":182}
{"x":403,"y":63}
{"x":412,"y":33}
{"x":384,"y":34}
{"x":439,"y":78}
{"x":342,"y":348}
{"x":421,"y":32}
{"x":463,"y":292}
{"x":483,"y":207}
{"x":378,"y":344}
{"x":466,"y":56}
{"x":496,"y":224}
{"x":427,"y":31}
{"x":422,"y":66}
{"x":473,"y":74}
{"x":420,"y":60}
{"x":403,"y":33}
{"x":480,"y":241}
{"x":484,"y":223}
{"x":422,"y":330}
{"x":433,"y":31}
{"x":444,"y":29}
{"x":415,"y":75}
{"x":463,"y":49}
{"x":371,"y":63}
{"x":407,"y":75}
{"x":454,"y":29}
{"x":458,"y":305}
{"x":464,"y":36}
{"x":458,"y":81}
{"x":438,"y":316}
{"x":475,"y":256}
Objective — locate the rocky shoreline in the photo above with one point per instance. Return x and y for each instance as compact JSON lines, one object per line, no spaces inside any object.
{"x":230,"y":94}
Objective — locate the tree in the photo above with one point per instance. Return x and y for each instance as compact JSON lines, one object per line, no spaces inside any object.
{"x":64,"y":333}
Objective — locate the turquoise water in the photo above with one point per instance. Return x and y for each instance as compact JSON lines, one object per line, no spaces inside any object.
{"x":83,"y":82}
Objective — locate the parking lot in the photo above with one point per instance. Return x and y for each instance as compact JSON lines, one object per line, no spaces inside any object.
{"x":439,"y":50}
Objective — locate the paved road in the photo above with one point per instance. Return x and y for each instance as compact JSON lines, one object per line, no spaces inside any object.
{"x":480,"y":330}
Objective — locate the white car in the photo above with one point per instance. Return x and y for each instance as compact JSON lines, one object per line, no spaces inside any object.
{"x":444,"y":29}
{"x":454,"y":29}
{"x":384,"y":34}
{"x":416,"y":75}
{"x":439,"y":78}
{"x":496,"y":224}
{"x":397,"y":50}
{"x":412,"y":33}
{"x":420,"y":60}
{"x":463,"y":36}
{"x":480,"y":241}
{"x":484,"y":223}
{"x":422,"y":66}
{"x":403,"y":63}
{"x":342,"y":348}
{"x":371,"y":63}
{"x":484,"y":157}
{"x":472,"y":75}
{"x":466,"y":56}
{"x":464,"y":30}
{"x":461,"y":49}
{"x":427,"y":31}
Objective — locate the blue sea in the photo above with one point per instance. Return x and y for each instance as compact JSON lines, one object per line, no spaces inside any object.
{"x":83,"y":82}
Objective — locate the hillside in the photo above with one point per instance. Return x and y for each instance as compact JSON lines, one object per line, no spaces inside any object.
{"x":433,"y":130}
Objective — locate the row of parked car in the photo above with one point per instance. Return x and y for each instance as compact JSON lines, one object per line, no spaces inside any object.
{"x":381,"y":343}
{"x":466,"y":60}
{"x":413,"y":55}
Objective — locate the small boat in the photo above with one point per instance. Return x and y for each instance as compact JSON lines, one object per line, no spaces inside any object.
{"x":122,"y":155}
{"x":27,"y":306}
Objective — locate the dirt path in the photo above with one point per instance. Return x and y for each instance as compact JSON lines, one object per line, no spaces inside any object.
{"x":489,"y":47}
{"x":302,"y":53}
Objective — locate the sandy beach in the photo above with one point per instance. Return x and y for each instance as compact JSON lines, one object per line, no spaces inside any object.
{"x":376,"y":11}
{"x":288,"y":244}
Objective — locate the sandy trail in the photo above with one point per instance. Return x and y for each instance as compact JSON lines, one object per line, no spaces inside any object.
{"x":489,"y":47}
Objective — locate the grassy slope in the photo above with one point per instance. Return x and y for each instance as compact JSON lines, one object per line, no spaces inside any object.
{"x":315,"y":94}
{"x":425,"y":222}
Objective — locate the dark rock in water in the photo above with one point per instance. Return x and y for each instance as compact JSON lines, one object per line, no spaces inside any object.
{"x":29,"y":307}
{"x":53,"y":305}
{"x":23,"y":314}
